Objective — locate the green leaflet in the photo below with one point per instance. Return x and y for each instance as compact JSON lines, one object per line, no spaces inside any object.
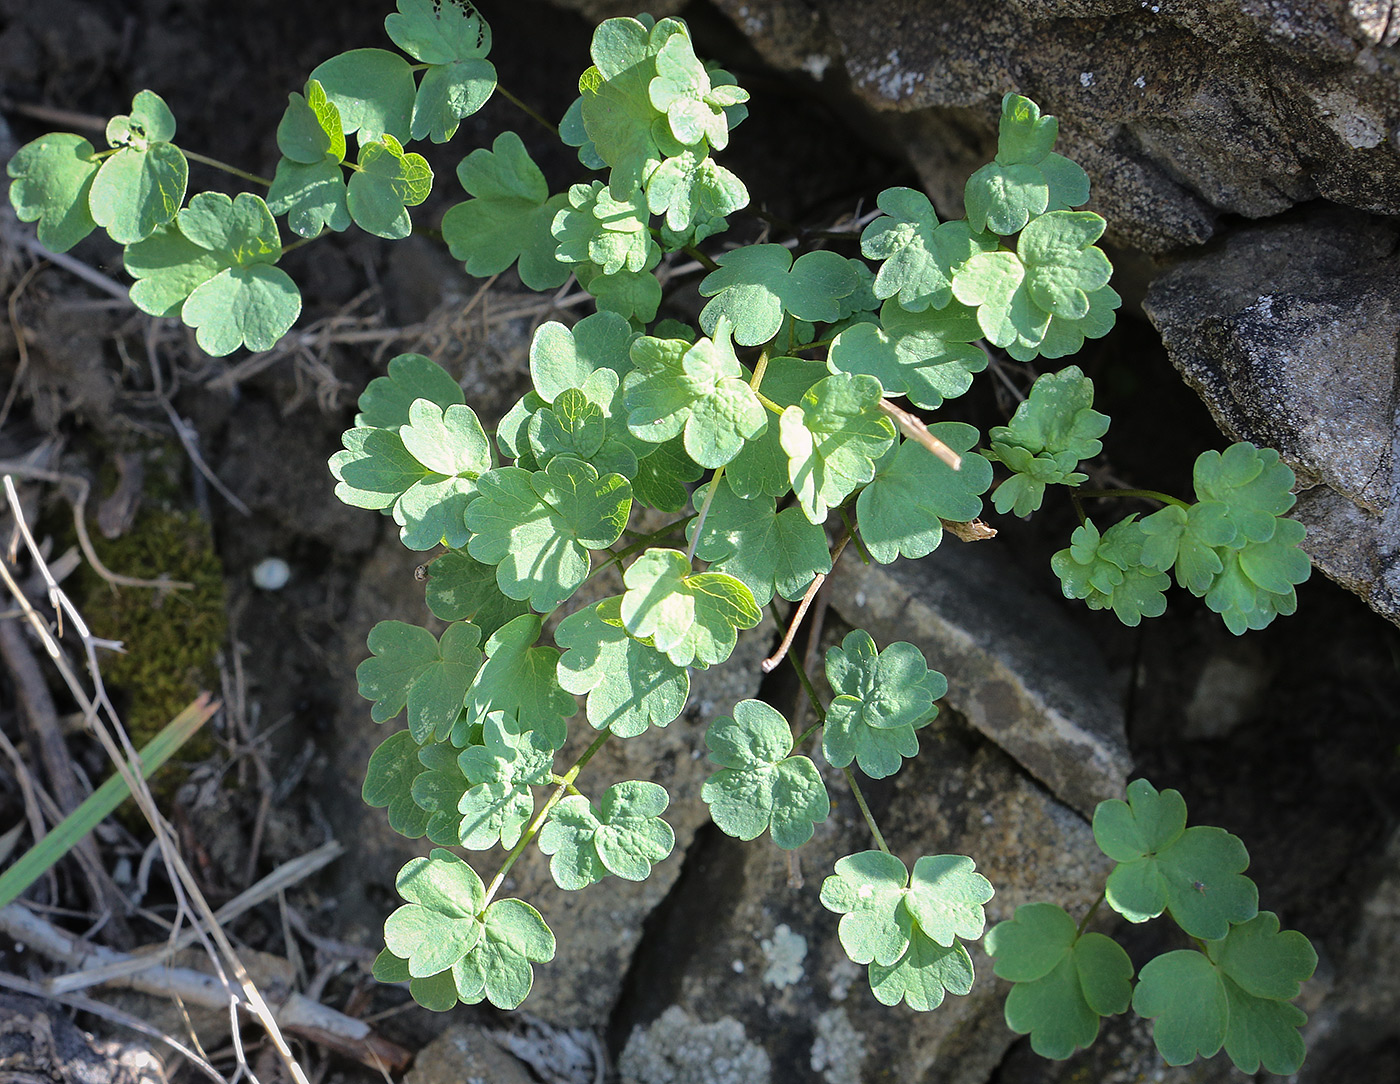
{"x":768,"y":550}
{"x":424,"y":472}
{"x":609,"y":233}
{"x":393,"y":767}
{"x":1251,"y":482}
{"x":1052,"y":274}
{"x":759,"y":786}
{"x":926,"y":356}
{"x":919,"y":255}
{"x":411,"y":668}
{"x":386,"y":185}
{"x":387,"y":401}
{"x":538,"y":527}
{"x":900,"y":511}
{"x":625,"y":837}
{"x":213,"y":267}
{"x":511,"y":758}
{"x":615,"y":99}
{"x":373,"y":91}
{"x":754,"y":286}
{"x":52,"y":178}
{"x":309,"y":187}
{"x":1065,"y":981}
{"x":461,"y":588}
{"x":694,"y":617}
{"x":697,"y":391}
{"x":1235,"y":994}
{"x":907,"y":927}
{"x":832,"y":438}
{"x":696,"y":194}
{"x":1046,"y":438}
{"x":1027,"y":178}
{"x":693,"y":105}
{"x":563,"y":358}
{"x":882,"y":698}
{"x":633,"y":295}
{"x":587,"y":423}
{"x":310,"y":131}
{"x":452,"y":39}
{"x":485,"y":954}
{"x":1107,"y":572}
{"x":509,"y":219}
{"x":630,"y":684}
{"x":761,"y":467}
{"x":142,"y":185}
{"x":1196,"y":874}
{"x":438,"y":791}
{"x":518,"y":678}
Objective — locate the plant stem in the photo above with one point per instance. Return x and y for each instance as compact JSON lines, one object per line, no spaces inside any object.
{"x":565,"y":782}
{"x":528,"y":110}
{"x":243,"y":173}
{"x":700,"y":258}
{"x":1089,"y":914}
{"x":865,"y":810}
{"x":768,"y":403}
{"x":1148,"y":494}
{"x":802,"y":738}
{"x":851,"y":530}
{"x":642,"y":543}
{"x":704,"y":511}
{"x":761,"y":367}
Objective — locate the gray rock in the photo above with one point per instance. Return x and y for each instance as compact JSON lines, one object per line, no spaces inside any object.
{"x":752,"y":943}
{"x":1180,"y":112}
{"x":466,"y":1055}
{"x":1018,"y":671}
{"x":1288,"y":331}
{"x":678,"y":1049}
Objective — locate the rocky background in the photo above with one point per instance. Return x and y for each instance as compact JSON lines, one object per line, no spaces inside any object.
{"x":1246,"y":154}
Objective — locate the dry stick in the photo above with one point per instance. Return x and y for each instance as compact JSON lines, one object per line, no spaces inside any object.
{"x":79,"y":505}
{"x":917,"y":431}
{"x":20,"y":345}
{"x":113,"y":1016}
{"x":37,"y":706}
{"x":279,"y":880}
{"x":28,"y":787}
{"x":296,"y":1013}
{"x":769,"y":664}
{"x":188,"y":893}
{"x":90,"y":275}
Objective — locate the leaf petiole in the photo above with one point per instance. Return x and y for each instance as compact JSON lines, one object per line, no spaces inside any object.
{"x":1146,"y":494}
{"x":528,"y":110}
{"x":194,"y":156}
{"x":564,"y":785}
{"x":865,"y":810}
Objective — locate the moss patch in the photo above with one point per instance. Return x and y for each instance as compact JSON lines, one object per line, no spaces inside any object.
{"x":171,"y":637}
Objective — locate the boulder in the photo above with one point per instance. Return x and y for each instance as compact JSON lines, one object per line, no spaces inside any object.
{"x":1289,"y":330}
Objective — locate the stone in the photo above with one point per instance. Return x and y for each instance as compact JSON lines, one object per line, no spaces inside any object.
{"x":466,"y":1055}
{"x":1181,"y":113}
{"x":678,"y":1049}
{"x":1288,"y":331}
{"x":745,"y":944}
{"x":1017,"y":670}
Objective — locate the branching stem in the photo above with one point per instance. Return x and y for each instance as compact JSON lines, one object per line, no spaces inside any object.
{"x":565,"y":784}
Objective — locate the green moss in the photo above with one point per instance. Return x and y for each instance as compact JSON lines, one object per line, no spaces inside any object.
{"x":171,"y":637}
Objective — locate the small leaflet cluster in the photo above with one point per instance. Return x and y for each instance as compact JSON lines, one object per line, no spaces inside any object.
{"x":1234,"y":990}
{"x":717,"y":469}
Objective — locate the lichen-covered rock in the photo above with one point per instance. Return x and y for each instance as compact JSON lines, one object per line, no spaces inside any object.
{"x":1180,"y":112}
{"x":1289,"y":332}
{"x":679,"y":1049}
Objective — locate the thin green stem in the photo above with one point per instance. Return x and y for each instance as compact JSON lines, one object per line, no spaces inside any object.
{"x":802,"y":738}
{"x":1089,"y":914}
{"x":565,"y":782}
{"x":865,"y":810}
{"x":700,"y":258}
{"x":243,"y":173}
{"x":1148,"y":494}
{"x":294,"y":245}
{"x":817,"y":345}
{"x":528,"y":110}
{"x":772,"y":407}
{"x":851,"y":530}
{"x":759,"y":369}
{"x":704,"y":511}
{"x":642,"y":543}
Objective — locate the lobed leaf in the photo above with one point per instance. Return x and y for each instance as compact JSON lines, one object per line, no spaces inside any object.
{"x":142,"y":185}
{"x":372,"y":90}
{"x":768,"y":550}
{"x":832,"y":438}
{"x":694,"y":617}
{"x":760,"y":786}
{"x":756,"y":285}
{"x":387,"y":183}
{"x":52,"y":177}
{"x":626,"y":837}
{"x":410,"y":668}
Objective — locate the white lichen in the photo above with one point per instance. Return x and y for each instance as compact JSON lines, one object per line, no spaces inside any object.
{"x":838,"y":1050}
{"x":784,"y":951}
{"x":678,"y":1049}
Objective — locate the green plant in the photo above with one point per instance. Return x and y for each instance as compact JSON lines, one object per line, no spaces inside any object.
{"x":784,"y":397}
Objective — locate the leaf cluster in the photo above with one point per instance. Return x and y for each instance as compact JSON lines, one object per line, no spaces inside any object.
{"x":1233,"y":547}
{"x":1233,"y":991}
